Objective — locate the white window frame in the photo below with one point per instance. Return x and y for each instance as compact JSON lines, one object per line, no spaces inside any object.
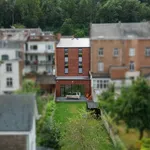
{"x":101,"y":51}
{"x":66,"y":59}
{"x":116,"y":52}
{"x":9,"y":67}
{"x":100,"y":83}
{"x":147,"y":51}
{"x":132,"y":52}
{"x":100,"y":66}
{"x":9,"y":82}
{"x":132,"y":66}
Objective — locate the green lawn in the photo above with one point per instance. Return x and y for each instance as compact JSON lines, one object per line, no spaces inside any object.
{"x":64,"y":111}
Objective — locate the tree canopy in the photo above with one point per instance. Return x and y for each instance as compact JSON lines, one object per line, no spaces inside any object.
{"x":71,"y":16}
{"x":132,"y":106}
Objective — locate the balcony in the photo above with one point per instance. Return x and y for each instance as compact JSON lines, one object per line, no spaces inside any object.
{"x":29,"y":63}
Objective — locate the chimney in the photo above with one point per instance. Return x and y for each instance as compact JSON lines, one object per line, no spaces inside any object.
{"x":58,"y":36}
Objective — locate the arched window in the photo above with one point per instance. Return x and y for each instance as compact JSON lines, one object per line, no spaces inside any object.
{"x":5,"y":57}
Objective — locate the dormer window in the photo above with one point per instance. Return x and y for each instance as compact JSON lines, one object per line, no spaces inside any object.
{"x":5,"y":57}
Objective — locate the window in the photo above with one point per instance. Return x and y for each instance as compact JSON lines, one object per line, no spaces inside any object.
{"x":116,"y":52}
{"x":49,"y":47}
{"x":100,"y":66}
{"x":80,"y":59}
{"x":5,"y":57}
{"x":9,"y":82}
{"x":49,"y":57}
{"x":66,"y":69}
{"x":100,"y":84}
{"x":66,"y":50}
{"x":132,"y":66}
{"x":80,"y":52}
{"x":80,"y":70}
{"x":36,"y":57}
{"x":18,"y":55}
{"x":66,"y":59}
{"x":132,"y":52}
{"x":33,"y":47}
{"x":147,"y":51}
{"x":8,"y":67}
{"x":31,"y":57}
{"x":101,"y":52}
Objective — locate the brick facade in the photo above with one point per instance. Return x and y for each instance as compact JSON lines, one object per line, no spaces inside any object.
{"x":13,"y":142}
{"x":72,"y":62}
{"x":123,"y":59}
{"x":73,"y":68}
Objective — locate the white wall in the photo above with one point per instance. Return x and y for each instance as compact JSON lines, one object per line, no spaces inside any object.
{"x":32,"y":136}
{"x":10,"y":52}
{"x":14,"y":75}
{"x":41,"y":46}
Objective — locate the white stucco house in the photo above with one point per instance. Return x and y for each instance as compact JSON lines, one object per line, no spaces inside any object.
{"x":18,"y":122}
{"x":11,"y":59}
{"x":39,"y":53}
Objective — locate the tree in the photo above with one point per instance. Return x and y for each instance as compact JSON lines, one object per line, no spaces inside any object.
{"x":85,"y":133}
{"x":133,"y":106}
{"x":28,"y":86}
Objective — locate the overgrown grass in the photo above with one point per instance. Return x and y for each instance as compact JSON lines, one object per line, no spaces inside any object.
{"x":64,"y":111}
{"x":130,"y":138}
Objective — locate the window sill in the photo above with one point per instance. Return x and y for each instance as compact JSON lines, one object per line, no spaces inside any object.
{"x":101,"y":55}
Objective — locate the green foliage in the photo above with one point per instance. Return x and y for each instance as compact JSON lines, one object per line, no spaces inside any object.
{"x":145,"y":144}
{"x":18,"y":25}
{"x":48,"y":133}
{"x":71,"y":16}
{"x":85,"y":133}
{"x":29,"y":86}
{"x":132,"y":106}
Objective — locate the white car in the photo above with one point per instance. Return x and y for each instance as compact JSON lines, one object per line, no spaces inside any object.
{"x":75,"y":95}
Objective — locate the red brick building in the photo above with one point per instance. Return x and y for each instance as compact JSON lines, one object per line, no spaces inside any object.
{"x":72,"y":66}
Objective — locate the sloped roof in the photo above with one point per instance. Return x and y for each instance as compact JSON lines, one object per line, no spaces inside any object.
{"x":120,"y":31}
{"x":73,"y":42}
{"x":16,"y":112}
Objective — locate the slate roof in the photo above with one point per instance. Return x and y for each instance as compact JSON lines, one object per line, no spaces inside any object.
{"x":120,"y":31}
{"x":46,"y":79}
{"x":16,"y":112}
{"x":73,"y":42}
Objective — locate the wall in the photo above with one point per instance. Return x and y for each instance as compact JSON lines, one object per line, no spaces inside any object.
{"x":13,"y":142}
{"x":10,"y":52}
{"x":32,"y":136}
{"x":72,"y":62}
{"x":86,"y":83}
{"x":123,"y":59}
{"x":41,"y":46}
{"x":14,"y":75}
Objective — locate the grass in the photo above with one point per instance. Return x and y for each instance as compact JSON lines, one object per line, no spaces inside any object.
{"x":64,"y":111}
{"x":131,"y":137}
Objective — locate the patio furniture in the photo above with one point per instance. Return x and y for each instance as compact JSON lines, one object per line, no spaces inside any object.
{"x":75,"y":95}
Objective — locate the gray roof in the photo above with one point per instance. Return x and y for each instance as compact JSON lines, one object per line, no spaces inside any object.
{"x":46,"y":79}
{"x":120,"y":31}
{"x":16,"y":112}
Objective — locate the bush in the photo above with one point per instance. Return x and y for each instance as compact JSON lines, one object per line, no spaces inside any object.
{"x":145,"y":144}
